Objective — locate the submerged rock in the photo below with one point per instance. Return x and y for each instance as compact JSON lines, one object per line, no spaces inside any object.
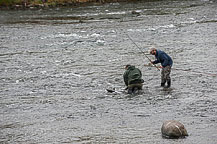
{"x":135,"y":13}
{"x":173,"y":129}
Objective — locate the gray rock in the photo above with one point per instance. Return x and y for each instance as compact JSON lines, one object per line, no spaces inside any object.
{"x":173,"y":129}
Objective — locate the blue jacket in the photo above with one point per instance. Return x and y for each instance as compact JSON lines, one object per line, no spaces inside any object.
{"x":163,"y":58}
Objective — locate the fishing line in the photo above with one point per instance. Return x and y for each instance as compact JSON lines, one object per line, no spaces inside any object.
{"x":188,"y":70}
{"x":142,"y":52}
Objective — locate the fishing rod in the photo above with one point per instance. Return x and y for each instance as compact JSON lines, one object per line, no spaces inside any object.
{"x":143,"y":52}
{"x":210,"y":74}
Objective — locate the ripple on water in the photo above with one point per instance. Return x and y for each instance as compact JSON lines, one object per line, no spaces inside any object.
{"x":56,"y":65}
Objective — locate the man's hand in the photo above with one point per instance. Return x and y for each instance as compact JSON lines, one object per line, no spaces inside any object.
{"x":149,"y":64}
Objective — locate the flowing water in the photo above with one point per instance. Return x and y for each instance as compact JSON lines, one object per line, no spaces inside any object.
{"x":55,"y":65}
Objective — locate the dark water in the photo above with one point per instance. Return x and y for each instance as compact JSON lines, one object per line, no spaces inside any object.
{"x":55,"y":65}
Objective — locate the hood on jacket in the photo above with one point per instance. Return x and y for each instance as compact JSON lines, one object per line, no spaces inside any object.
{"x":131,"y":67}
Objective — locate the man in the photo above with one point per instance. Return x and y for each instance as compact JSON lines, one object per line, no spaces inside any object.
{"x":166,"y":64}
{"x":133,"y":79}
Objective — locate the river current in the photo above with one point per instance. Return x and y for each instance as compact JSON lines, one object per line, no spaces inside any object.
{"x":55,"y":66}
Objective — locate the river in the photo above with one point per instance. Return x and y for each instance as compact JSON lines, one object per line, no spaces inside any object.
{"x":55,"y":66}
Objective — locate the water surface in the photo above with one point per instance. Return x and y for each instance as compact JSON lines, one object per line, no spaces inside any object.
{"x":55,"y":65}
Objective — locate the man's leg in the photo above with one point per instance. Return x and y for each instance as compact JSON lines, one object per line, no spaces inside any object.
{"x":163,"y":77}
{"x":167,"y":75}
{"x":133,"y":88}
{"x":130,"y":91}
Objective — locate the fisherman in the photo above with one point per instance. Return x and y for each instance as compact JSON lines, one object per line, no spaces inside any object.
{"x":133,"y":79}
{"x":166,"y":64}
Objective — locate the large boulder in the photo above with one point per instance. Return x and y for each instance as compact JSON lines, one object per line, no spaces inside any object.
{"x":173,"y":129}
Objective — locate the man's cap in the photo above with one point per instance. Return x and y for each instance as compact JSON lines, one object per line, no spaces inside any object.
{"x":152,"y":49}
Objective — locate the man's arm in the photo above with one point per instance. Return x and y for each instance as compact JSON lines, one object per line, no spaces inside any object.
{"x":155,"y":62}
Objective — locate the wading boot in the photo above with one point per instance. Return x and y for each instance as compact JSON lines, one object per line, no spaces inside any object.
{"x":162,"y":84}
{"x":168,"y":83}
{"x":130,"y":91}
{"x":135,"y":90}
